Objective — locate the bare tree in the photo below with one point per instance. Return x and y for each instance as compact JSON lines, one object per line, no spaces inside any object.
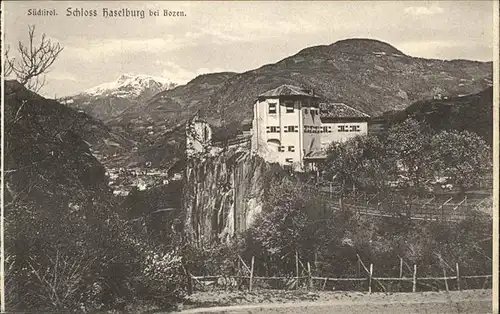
{"x":34,"y":60}
{"x":6,"y":62}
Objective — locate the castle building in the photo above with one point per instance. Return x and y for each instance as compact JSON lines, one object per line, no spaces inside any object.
{"x":198,"y":137}
{"x":291,"y":127}
{"x":340,"y":122}
{"x":285,"y":123}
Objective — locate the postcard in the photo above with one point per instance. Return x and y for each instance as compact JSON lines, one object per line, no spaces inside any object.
{"x":241,"y":156}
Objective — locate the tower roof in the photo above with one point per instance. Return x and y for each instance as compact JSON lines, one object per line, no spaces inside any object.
{"x":287,"y":90}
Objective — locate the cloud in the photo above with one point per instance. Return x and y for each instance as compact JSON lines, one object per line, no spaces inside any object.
{"x":108,"y":48}
{"x":180,"y":75}
{"x":62,"y":76}
{"x":447,"y":49}
{"x":248,"y":30}
{"x":424,"y":10}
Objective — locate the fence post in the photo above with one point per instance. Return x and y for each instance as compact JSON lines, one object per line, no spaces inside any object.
{"x":190,"y":285}
{"x":485,"y":282}
{"x":297,"y":269}
{"x":370,"y":279}
{"x":189,"y":280}
{"x":445,"y":280}
{"x":310,"y":276}
{"x":458,"y":277}
{"x":400,"y":267}
{"x":414,"y":277}
{"x":251,"y":275}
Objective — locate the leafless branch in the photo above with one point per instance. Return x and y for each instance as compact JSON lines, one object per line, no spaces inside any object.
{"x":7,"y":62}
{"x":35,"y":60}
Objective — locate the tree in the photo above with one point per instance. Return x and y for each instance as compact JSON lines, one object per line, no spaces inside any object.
{"x":361,"y":161}
{"x":408,"y":144}
{"x":464,"y":157}
{"x":283,"y":227}
{"x":34,"y":60}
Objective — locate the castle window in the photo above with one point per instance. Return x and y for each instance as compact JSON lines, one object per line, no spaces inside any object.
{"x":289,"y":107}
{"x":281,"y":149}
{"x":291,"y":148}
{"x":291,"y":128}
{"x":290,"y":160}
{"x":355,"y":128}
{"x":343,"y":128}
{"x":306,"y":111}
{"x":273,"y":129}
{"x":325,"y":129}
{"x":272,"y":108}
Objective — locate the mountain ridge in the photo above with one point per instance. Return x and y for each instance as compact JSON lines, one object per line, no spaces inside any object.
{"x":112,"y":98}
{"x":369,"y":75}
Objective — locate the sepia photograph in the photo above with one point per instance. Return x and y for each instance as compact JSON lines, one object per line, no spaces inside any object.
{"x":249,"y":157}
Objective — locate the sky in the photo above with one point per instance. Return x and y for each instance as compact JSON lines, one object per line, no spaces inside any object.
{"x":215,"y":36}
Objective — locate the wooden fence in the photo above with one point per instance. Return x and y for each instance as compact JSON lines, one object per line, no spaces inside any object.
{"x":319,"y":282}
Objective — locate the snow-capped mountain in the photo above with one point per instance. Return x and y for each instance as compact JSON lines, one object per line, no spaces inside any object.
{"x":113,"y":98}
{"x":130,"y":86}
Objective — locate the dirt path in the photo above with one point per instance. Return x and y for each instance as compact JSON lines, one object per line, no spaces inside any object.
{"x":471,"y":301}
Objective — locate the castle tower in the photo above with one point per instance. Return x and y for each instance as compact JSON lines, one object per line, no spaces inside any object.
{"x":286,"y":125}
{"x":198,"y":137}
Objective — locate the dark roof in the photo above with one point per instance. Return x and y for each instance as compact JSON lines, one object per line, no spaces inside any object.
{"x":340,"y":110}
{"x":287,"y":90}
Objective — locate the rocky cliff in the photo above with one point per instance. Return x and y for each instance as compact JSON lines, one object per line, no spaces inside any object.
{"x":222,"y":195}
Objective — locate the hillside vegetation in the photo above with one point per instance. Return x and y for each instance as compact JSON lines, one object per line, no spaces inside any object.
{"x":473,"y":113}
{"x":70,"y":246}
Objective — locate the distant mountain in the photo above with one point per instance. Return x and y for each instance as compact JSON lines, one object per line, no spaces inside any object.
{"x":113,"y":98}
{"x":158,"y":126}
{"x":369,"y":75}
{"x":473,"y":113}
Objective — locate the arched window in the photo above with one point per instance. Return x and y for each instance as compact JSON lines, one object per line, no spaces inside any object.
{"x":274,"y":145}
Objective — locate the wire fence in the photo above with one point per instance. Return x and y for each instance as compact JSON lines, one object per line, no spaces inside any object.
{"x":434,"y":207}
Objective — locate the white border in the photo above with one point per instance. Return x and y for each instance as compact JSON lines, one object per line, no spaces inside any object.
{"x":2,"y":246}
{"x":496,"y":65}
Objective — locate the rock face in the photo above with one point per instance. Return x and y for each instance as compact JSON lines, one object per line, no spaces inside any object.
{"x":222,"y":195}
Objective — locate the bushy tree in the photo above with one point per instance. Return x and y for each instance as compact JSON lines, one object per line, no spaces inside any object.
{"x":463,"y":157}
{"x":361,"y":162}
{"x":284,"y":227}
{"x":408,"y":145}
